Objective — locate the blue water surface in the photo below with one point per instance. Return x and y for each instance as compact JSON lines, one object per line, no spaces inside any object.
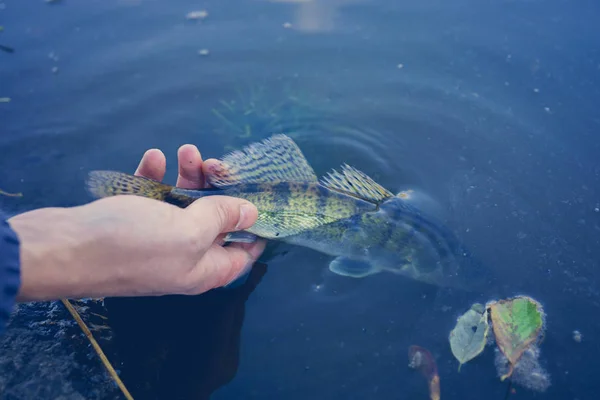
{"x":487,"y":108}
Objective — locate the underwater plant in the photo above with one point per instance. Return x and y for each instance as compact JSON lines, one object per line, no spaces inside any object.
{"x":259,"y":110}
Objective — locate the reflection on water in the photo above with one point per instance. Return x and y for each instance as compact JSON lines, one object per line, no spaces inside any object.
{"x":316,"y":15}
{"x":490,"y":120}
{"x":201,"y":332}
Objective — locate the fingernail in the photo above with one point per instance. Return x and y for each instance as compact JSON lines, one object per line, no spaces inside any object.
{"x":244,"y":212}
{"x":256,"y":249}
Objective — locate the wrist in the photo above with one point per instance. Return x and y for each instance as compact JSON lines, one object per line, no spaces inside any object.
{"x":51,"y":240}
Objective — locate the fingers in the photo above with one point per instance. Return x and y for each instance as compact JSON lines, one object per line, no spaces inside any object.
{"x":219,"y":214}
{"x":190,"y":168}
{"x":254,"y":249}
{"x":212,"y":167}
{"x":152,"y":165}
{"x":222,"y":265}
{"x":236,"y":270}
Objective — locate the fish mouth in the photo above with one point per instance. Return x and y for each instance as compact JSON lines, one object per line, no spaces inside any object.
{"x":431,"y":252}
{"x":454,"y":268}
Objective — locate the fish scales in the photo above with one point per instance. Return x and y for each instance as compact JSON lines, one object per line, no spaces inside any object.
{"x":284,"y":204}
{"x":307,"y":198}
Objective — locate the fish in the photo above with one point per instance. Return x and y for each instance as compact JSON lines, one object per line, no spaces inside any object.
{"x":364,"y":227}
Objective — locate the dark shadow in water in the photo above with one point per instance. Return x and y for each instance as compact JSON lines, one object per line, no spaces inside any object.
{"x":180,"y":347}
{"x":7,"y":49}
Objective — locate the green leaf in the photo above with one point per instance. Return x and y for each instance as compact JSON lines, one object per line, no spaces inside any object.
{"x":469,"y":336}
{"x":517,"y":324}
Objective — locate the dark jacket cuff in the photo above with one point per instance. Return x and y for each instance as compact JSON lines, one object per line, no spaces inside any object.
{"x":10,"y":270}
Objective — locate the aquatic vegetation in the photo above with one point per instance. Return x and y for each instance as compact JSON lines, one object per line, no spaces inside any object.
{"x":421,"y":359}
{"x":259,"y":110}
{"x":517,"y":325}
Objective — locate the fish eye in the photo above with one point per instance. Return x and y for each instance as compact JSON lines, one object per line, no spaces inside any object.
{"x":405,"y":194}
{"x":423,"y":202}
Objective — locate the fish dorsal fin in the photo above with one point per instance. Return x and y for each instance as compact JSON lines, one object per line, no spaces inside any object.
{"x":356,"y":183}
{"x":276,"y":159}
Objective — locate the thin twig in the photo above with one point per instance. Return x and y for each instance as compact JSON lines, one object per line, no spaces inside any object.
{"x":96,"y":346}
{"x":508,"y":392}
{"x":3,"y":193}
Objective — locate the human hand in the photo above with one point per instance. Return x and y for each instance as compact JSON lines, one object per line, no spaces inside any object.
{"x":192,"y":174}
{"x":135,"y":246}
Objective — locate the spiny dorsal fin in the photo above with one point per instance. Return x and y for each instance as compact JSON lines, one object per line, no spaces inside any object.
{"x":356,"y":183}
{"x":276,"y":159}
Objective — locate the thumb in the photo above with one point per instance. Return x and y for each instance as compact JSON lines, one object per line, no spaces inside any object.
{"x":219,"y":214}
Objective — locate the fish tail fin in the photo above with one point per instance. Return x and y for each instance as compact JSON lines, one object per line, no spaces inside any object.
{"x":111,"y":183}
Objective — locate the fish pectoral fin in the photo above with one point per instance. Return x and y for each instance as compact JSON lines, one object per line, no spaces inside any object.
{"x":356,"y":183}
{"x":352,"y":268}
{"x":276,"y":159}
{"x":240,"y":237}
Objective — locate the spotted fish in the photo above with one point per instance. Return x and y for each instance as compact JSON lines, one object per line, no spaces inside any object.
{"x":345,"y":214}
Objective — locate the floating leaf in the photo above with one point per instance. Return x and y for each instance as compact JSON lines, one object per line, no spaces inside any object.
{"x":469,"y":336}
{"x":517,"y":324}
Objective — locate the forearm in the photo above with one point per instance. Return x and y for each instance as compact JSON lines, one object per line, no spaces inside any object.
{"x":56,"y":253}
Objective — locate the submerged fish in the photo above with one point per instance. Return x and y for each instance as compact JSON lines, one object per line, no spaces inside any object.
{"x":345,"y":214}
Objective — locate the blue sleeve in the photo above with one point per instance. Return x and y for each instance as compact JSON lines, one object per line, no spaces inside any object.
{"x":10,"y":271}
